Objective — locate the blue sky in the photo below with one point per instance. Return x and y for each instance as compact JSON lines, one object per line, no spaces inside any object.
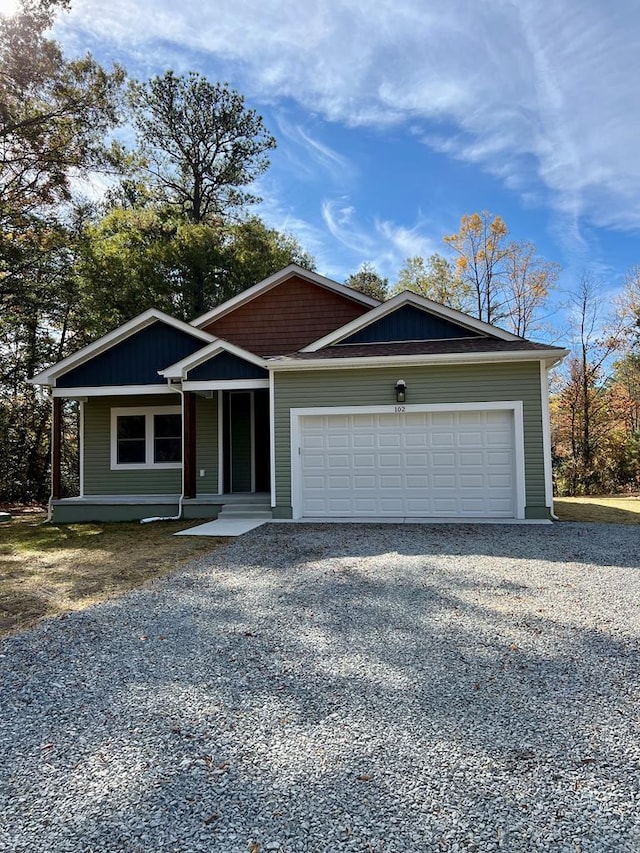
{"x":395,"y":117}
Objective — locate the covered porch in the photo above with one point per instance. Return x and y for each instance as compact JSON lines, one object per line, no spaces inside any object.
{"x":137,"y":507}
{"x":222,"y":458}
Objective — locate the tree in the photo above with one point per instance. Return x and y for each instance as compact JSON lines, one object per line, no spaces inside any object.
{"x":507,"y":280}
{"x":54,"y":114}
{"x":133,"y":259}
{"x":582,"y":410}
{"x":200,"y":144}
{"x":367,"y":281}
{"x":528,"y":279}
{"x":481,"y":247}
{"x":434,"y":278}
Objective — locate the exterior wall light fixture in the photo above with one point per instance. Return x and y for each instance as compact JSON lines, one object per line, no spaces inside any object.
{"x":401,"y":391}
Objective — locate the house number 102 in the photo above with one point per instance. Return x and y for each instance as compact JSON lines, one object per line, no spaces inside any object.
{"x":399,"y":410}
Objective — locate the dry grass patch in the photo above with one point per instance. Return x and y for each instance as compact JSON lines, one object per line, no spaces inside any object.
{"x":50,"y":569}
{"x":616,"y":509}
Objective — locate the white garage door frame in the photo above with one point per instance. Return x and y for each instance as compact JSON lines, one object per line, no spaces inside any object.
{"x":514,"y":406}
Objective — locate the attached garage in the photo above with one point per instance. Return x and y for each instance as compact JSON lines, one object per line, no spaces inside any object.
{"x":409,"y":462}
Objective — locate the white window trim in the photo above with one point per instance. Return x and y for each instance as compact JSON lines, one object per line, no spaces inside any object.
{"x":515,"y":406}
{"x":148,"y":412}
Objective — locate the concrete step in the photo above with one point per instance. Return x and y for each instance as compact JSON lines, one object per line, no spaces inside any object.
{"x":249,"y":510}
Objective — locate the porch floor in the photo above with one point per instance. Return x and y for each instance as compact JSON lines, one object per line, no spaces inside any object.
{"x":235,"y":497}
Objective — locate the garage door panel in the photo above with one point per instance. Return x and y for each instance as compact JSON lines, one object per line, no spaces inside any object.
{"x":364,"y":481}
{"x":359,"y":441}
{"x":443,"y":439}
{"x":364,"y":460}
{"x":420,"y":460}
{"x":363,"y":421}
{"x":366,"y":506}
{"x":340,"y":482}
{"x":443,"y":460}
{"x":391,"y":506}
{"x":498,"y":458}
{"x":338,"y":441}
{"x":471,"y":481}
{"x":335,"y":460}
{"x":390,"y":481}
{"x":471,"y":438}
{"x":315,"y":461}
{"x":417,"y":481}
{"x":417,"y":464}
{"x":443,"y":481}
{"x":389,"y":440}
{"x":390,"y":460}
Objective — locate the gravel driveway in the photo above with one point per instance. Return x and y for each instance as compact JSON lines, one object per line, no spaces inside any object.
{"x":339,"y":688}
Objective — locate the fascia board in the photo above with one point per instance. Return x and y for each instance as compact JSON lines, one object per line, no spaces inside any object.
{"x":104,"y":343}
{"x":414,"y":360}
{"x":224,"y":384}
{"x":111,"y":391}
{"x":275,"y":279}
{"x":409,"y":298}
{"x":218,"y":345}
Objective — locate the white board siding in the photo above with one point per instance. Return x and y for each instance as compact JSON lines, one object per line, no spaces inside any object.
{"x":414,"y":464}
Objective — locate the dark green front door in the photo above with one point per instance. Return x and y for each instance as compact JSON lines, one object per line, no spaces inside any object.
{"x":246,"y":441}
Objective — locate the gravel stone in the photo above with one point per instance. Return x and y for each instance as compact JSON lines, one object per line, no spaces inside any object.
{"x":317,"y":688}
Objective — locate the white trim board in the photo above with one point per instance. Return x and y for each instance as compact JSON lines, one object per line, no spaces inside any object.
{"x":113,"y":391}
{"x":225,"y":384}
{"x":546,"y":435}
{"x":516,"y":406}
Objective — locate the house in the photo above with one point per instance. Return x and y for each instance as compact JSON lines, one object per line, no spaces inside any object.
{"x":315,"y":399}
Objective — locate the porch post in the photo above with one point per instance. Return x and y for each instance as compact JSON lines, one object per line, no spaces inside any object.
{"x":56,"y":449}
{"x":189,"y":444}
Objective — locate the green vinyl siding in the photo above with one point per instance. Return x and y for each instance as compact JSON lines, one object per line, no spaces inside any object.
{"x":207,"y":445}
{"x":437,"y":384}
{"x":99,"y":479}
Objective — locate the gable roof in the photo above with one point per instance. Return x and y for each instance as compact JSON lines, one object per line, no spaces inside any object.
{"x":180,"y":369}
{"x":273,"y":281}
{"x":111,"y":339}
{"x":466,"y":322}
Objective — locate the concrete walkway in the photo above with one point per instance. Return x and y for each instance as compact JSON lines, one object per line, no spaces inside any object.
{"x":224,"y":527}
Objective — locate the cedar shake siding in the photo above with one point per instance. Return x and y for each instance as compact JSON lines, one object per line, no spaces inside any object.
{"x":286,"y":318}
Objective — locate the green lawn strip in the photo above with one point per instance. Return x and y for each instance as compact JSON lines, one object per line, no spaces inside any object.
{"x":599,"y":509}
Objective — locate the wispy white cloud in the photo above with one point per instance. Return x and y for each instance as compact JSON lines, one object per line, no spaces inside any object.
{"x":539,"y":94}
{"x":383,"y":243}
{"x":308,"y":155}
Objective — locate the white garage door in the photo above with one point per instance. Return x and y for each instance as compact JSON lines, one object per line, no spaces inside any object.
{"x":416,"y":464}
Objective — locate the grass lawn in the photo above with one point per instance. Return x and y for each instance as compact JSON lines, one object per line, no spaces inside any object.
{"x":50,"y":569}
{"x":617,"y":509}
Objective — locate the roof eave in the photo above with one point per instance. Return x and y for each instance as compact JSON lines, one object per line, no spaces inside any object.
{"x":550,"y":355}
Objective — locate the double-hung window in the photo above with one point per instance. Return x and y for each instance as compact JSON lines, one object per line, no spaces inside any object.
{"x":148,"y":437}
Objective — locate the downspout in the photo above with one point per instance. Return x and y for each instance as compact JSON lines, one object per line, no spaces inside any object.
{"x":50,"y":501}
{"x":181,"y":498}
{"x":546,"y":436}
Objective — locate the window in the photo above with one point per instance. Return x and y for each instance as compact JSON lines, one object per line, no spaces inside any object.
{"x":146,"y":438}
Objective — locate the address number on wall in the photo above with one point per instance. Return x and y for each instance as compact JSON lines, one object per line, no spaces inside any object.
{"x":399,"y":410}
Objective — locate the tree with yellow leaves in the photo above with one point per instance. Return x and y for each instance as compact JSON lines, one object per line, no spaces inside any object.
{"x":481,"y":247}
